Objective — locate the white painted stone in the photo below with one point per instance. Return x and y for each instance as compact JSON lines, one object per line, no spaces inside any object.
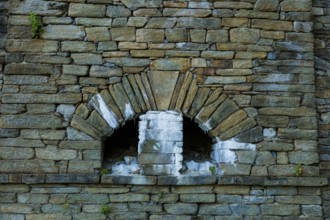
{"x":269,"y":132}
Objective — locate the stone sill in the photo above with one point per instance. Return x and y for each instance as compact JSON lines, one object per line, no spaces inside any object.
{"x":160,"y":180}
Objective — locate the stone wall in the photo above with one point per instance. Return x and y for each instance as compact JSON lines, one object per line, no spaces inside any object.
{"x":242,"y":70}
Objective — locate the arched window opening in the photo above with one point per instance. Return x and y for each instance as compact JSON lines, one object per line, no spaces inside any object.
{"x":196,"y":144}
{"x":120,"y":149}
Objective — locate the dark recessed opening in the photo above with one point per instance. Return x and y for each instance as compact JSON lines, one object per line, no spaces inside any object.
{"x":196,"y":144}
{"x":123,"y":142}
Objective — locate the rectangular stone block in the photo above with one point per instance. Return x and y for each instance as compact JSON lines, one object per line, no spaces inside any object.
{"x":281,"y":210}
{"x":207,"y":23}
{"x":181,"y":208}
{"x":170,"y":12}
{"x":83,"y":166}
{"x":31,"y":46}
{"x":94,"y":21}
{"x":124,"y":34}
{"x":30,"y":121}
{"x":150,"y":35}
{"x":28,"y":166}
{"x":129,"y":197}
{"x":86,"y":10}
{"x":72,"y":178}
{"x":87,"y":58}
{"x":135,"y":180}
{"x":63,"y":32}
{"x":158,"y":158}
{"x":25,"y":80}
{"x":214,"y":209}
{"x":198,"y":198}
{"x":28,"y":68}
{"x":68,"y":98}
{"x":275,"y":25}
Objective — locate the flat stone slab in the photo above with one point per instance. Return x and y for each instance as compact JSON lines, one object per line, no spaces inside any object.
{"x":126,"y":179}
{"x":72,"y":178}
{"x":187,"y":180}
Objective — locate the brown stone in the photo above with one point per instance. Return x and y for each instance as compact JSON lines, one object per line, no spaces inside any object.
{"x":163,"y":84}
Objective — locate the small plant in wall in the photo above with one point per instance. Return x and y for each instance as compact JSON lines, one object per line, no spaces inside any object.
{"x":299,"y":170}
{"x":106,"y":210}
{"x":213,"y":170}
{"x":104,"y":171}
{"x":36,"y":26}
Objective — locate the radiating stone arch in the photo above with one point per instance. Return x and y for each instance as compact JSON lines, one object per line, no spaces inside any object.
{"x":214,"y":111}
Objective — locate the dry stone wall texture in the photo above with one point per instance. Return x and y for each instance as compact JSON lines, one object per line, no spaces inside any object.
{"x":241,"y":70}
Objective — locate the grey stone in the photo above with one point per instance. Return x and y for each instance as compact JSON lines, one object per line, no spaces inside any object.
{"x":71,"y":178}
{"x":275,"y":101}
{"x":32,"y":198}
{"x":30,"y":121}
{"x":118,"y":11}
{"x":28,"y":68}
{"x":181,"y":208}
{"x":87,"y":198}
{"x":77,"y":46}
{"x":265,"y":158}
{"x":87,"y":58}
{"x":218,"y":209}
{"x":28,"y":166}
{"x":94,"y":22}
{"x":52,"y":153}
{"x":33,"y":45}
{"x":245,"y":210}
{"x":86,"y":10}
{"x":208,"y":23}
{"x":64,"y":32}
{"x":266,"y":5}
{"x":84,"y":126}
{"x":281,"y":210}
{"x":197,"y":198}
{"x":9,"y":133}
{"x":182,"y":64}
{"x":134,"y":4}
{"x":161,"y":22}
{"x":135,"y":179}
{"x":130,"y":197}
{"x":39,"y":8}
{"x":253,"y":135}
{"x":7,"y":153}
{"x":306,"y":158}
{"x":102,"y":71}
{"x":68,"y":98}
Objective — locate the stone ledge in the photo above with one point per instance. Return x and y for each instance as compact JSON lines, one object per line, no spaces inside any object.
{"x":72,"y":178}
{"x":134,"y":179}
{"x":184,"y":180}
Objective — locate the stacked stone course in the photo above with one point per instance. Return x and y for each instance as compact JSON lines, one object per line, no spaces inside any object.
{"x":242,"y":70}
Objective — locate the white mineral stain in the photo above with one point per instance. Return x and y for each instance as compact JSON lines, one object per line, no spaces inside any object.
{"x":129,"y":113}
{"x":106,"y":113}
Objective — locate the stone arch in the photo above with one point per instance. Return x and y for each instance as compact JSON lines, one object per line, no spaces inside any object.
{"x":214,"y":111}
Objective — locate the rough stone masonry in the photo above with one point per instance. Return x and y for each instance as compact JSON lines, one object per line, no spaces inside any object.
{"x":247,"y":72}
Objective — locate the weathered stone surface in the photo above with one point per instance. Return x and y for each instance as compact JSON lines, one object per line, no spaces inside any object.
{"x":77,"y":46}
{"x":52,"y":153}
{"x":86,"y":10}
{"x":118,"y":11}
{"x":266,"y":5}
{"x":33,"y":45}
{"x":16,"y":154}
{"x":253,"y":135}
{"x":85,"y":127}
{"x":123,"y":34}
{"x":211,"y":23}
{"x":182,"y":64}
{"x":244,"y":35}
{"x":281,"y":210}
{"x":181,"y":208}
{"x":170,"y":12}
{"x":66,"y":32}
{"x":272,"y":25}
{"x":263,"y":101}
{"x":94,"y":21}
{"x":87,"y":58}
{"x":161,"y":23}
{"x":296,"y":5}
{"x":40,"y":8}
{"x":142,"y":3}
{"x":219,"y":209}
{"x":136,"y":180}
{"x":102,"y":71}
{"x":163,"y":83}
{"x":97,"y":34}
{"x":30,"y":121}
{"x":42,"y":98}
{"x":28,"y":166}
{"x":150,"y":35}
